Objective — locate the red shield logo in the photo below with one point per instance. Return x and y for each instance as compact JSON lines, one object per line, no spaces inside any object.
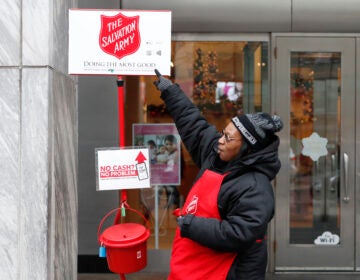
{"x":192,"y":206}
{"x":119,"y":35}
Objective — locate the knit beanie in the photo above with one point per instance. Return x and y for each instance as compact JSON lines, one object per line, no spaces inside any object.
{"x":258,"y":128}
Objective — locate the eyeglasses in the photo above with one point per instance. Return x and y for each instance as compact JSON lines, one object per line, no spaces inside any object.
{"x":228,"y":139}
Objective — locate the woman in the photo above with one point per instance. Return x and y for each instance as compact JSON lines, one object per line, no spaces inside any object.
{"x":223,"y":224}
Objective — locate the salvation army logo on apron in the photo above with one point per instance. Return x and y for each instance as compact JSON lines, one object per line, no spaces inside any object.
{"x":119,"y":35}
{"x":192,"y":207}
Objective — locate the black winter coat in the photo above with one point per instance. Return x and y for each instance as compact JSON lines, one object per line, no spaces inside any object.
{"x":246,"y":199}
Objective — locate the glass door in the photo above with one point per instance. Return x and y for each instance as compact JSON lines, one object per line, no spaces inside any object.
{"x":314,"y":86}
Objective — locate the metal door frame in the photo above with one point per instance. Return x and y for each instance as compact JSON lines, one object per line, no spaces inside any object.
{"x":282,"y":216}
{"x":357,"y":163}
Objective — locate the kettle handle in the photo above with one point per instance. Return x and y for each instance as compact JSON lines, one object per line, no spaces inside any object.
{"x":119,"y":209}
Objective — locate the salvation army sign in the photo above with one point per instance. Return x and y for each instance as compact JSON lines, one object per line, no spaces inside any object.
{"x":119,"y":42}
{"x":119,"y":168}
{"x":119,"y":35}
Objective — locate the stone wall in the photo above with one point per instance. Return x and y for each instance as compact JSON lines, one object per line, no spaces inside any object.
{"x":38,"y":142}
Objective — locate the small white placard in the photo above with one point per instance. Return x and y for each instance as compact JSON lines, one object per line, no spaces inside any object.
{"x":119,"y":42}
{"x":314,"y":146}
{"x":118,"y":169}
{"x":327,"y":238}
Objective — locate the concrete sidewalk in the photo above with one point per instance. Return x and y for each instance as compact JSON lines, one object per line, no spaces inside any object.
{"x":132,"y":276}
{"x":270,"y":276}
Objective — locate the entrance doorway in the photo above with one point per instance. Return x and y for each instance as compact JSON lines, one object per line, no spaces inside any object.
{"x":314,"y":91}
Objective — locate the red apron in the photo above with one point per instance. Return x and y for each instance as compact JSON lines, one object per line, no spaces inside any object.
{"x":189,"y":259}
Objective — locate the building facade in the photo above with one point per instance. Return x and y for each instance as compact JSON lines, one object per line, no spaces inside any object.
{"x":299,"y":59}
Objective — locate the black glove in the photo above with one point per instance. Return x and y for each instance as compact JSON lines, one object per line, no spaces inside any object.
{"x":180,"y":221}
{"x":162,"y":83}
{"x":184,"y":223}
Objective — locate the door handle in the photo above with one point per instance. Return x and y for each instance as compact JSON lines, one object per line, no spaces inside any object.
{"x":346,"y":178}
{"x":332,"y":183}
{"x":317,"y":185}
{"x":333,"y":179}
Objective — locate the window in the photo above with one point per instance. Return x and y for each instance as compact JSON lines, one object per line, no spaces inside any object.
{"x":223,"y":78}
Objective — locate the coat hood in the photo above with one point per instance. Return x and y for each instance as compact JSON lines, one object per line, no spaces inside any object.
{"x":265,"y":161}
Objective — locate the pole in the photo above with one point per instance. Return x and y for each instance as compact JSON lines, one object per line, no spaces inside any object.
{"x":121,"y":105}
{"x":121,"y":116}
{"x":156,"y":217}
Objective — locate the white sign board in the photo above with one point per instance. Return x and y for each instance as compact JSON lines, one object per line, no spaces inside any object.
{"x":118,"y":169}
{"x":119,"y":42}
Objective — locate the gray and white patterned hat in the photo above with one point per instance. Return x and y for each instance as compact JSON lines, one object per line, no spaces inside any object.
{"x":258,"y":128}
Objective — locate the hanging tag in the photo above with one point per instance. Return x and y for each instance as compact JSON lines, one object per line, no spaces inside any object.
{"x":102,"y":252}
{"x":123,"y":212}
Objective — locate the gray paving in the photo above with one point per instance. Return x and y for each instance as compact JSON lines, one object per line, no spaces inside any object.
{"x":270,"y":276}
{"x":313,"y":276}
